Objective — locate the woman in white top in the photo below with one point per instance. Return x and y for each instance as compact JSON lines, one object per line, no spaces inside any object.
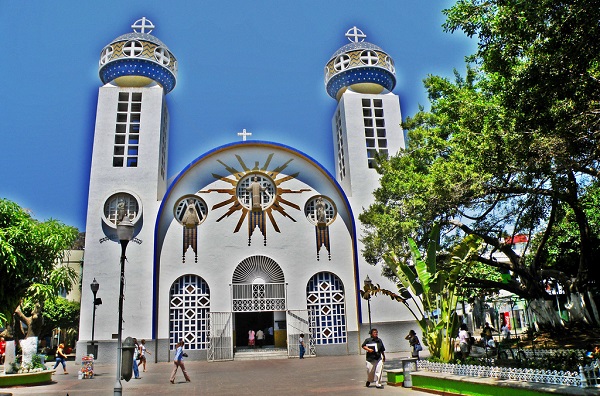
{"x":463,"y":341}
{"x":142,"y":352}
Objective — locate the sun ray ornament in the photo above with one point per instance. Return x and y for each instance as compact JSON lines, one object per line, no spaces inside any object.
{"x":255,"y":192}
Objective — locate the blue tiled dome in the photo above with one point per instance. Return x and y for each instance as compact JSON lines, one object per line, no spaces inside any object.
{"x":361,"y":66}
{"x":138,"y":58}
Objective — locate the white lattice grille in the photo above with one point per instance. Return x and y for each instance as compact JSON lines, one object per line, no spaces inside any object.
{"x":326,"y":304}
{"x":189,"y":308}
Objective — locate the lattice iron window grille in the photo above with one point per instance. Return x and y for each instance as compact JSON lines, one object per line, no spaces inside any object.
{"x":189,"y":312}
{"x":326,"y":303}
{"x":258,"y":297}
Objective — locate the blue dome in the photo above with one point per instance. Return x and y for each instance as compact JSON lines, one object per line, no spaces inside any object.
{"x":138,"y":58}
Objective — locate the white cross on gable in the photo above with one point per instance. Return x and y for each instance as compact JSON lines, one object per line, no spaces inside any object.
{"x":244,"y":134}
{"x":143,"y":26}
{"x":355,"y":35}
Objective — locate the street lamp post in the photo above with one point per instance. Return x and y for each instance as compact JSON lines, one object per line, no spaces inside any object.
{"x":95,"y":286}
{"x":368,"y":283}
{"x":125,"y":233}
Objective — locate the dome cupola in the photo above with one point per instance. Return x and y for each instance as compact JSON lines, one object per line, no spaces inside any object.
{"x":360,"y":66}
{"x":137,"y":59}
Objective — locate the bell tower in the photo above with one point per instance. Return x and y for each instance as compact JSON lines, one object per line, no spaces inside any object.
{"x":366,"y":122}
{"x":128,"y":171}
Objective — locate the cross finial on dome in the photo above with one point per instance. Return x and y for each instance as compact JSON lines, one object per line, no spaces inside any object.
{"x":143,"y":26}
{"x":244,"y":134}
{"x":355,"y":35}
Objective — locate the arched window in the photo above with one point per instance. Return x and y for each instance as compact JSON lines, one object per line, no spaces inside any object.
{"x":189,"y":309}
{"x":326,"y":303}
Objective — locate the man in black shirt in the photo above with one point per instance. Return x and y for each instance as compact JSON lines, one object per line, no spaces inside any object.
{"x":375,"y":358}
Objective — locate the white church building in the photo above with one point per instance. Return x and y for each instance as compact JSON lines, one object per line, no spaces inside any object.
{"x":251,"y":235}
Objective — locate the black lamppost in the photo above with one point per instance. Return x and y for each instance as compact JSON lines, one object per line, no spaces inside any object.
{"x":125,"y":233}
{"x":368,"y":283}
{"x":95,"y":286}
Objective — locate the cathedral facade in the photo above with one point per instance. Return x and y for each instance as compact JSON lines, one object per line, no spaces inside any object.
{"x":251,"y":235}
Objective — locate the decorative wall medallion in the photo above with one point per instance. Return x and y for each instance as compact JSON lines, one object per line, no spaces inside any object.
{"x":257,"y":194}
{"x":190,"y":211}
{"x":321,"y":212}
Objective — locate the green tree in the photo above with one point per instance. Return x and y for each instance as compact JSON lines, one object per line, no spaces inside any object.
{"x":30,"y":269}
{"x":62,"y":313}
{"x":433,"y":284}
{"x":504,"y":148}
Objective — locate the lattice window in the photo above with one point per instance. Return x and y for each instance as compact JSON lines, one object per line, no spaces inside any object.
{"x":375,"y":134}
{"x":326,"y":303}
{"x":189,"y":309}
{"x":127,"y":130}
{"x":340,"y":146}
{"x":164,"y":132}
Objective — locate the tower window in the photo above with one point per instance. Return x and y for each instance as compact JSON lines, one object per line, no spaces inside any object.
{"x":340,"y":147}
{"x":373,"y":120}
{"x":127,"y":130}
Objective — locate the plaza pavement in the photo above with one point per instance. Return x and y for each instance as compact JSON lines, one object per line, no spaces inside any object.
{"x":327,"y":375}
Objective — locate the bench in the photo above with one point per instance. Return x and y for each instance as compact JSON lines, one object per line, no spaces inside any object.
{"x":395,"y":377}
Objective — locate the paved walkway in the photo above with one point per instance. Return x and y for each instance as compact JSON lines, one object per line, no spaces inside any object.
{"x":335,"y":375}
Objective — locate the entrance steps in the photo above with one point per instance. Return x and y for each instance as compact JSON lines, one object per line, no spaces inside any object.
{"x":260,"y":353}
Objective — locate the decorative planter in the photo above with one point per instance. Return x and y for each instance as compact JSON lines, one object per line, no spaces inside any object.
{"x":40,"y":377}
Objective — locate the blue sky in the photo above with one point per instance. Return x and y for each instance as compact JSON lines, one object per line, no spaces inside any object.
{"x":256,"y":65}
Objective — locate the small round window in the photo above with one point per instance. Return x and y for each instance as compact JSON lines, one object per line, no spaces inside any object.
{"x":190,"y":211}
{"x":133,"y":48}
{"x":119,"y":205}
{"x":106,"y":54}
{"x":256,"y":191}
{"x":341,"y":62}
{"x":390,"y":63}
{"x":162,"y":56}
{"x":320,"y":210}
{"x":369,"y":57}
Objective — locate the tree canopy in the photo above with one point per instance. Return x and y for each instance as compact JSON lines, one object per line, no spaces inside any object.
{"x":30,"y":251}
{"x":507,"y":148}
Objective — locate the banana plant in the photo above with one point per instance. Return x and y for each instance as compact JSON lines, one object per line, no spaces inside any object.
{"x":434,"y":291}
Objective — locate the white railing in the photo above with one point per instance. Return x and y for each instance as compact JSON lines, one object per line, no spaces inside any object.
{"x":586,"y":377}
{"x":540,"y":353}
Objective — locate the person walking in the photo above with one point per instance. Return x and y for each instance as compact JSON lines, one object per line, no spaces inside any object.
{"x":178,"y":362}
{"x":302,"y":349}
{"x":463,"y":341}
{"x":61,"y":358}
{"x":251,"y":338}
{"x":142,"y":353}
{"x":136,"y":353}
{"x":375,"y":358}
{"x":260,"y":338}
{"x":414,"y":342}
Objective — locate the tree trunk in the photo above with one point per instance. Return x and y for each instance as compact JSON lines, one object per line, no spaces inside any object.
{"x":34,"y":322}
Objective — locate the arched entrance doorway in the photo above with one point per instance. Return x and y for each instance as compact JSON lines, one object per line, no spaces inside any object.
{"x":258,"y":301}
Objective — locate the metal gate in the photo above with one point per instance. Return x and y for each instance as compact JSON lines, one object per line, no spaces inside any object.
{"x":221,"y":337}
{"x":300,"y":322}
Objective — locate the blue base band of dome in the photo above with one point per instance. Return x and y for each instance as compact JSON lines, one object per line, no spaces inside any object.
{"x":138,"y":67}
{"x":349,"y":77}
